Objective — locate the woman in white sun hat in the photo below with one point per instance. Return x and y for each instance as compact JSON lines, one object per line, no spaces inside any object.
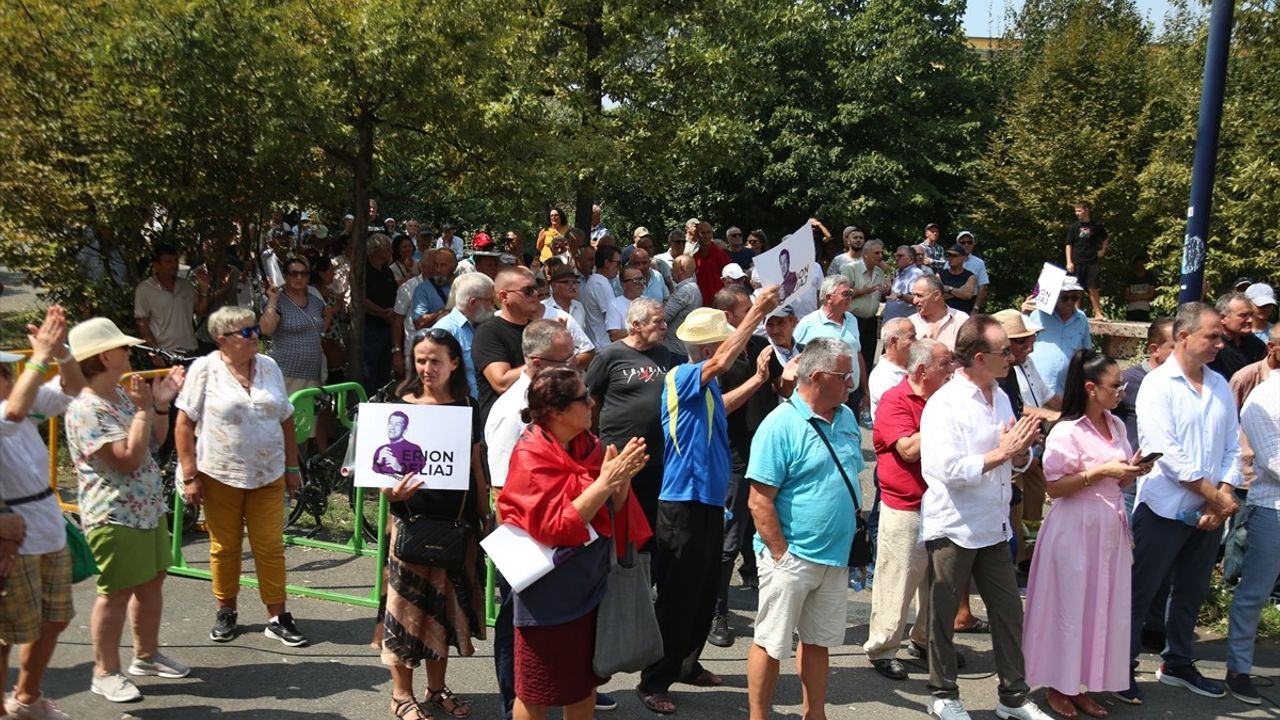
{"x":112,"y":431}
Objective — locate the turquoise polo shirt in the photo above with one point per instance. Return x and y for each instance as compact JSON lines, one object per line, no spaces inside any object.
{"x":816,"y":325}
{"x":1057,"y":341}
{"x":457,"y":325}
{"x":697,"y":459}
{"x":813,"y":504}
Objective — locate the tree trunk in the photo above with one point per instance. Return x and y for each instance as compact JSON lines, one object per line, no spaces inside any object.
{"x":593,"y":38}
{"x":363,"y":177}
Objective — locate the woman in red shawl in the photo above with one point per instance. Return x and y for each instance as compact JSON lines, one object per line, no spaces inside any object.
{"x":559,"y":482}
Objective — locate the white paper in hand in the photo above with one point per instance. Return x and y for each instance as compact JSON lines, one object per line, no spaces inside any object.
{"x":521,"y":559}
{"x":788,"y":265}
{"x":1048,"y":287}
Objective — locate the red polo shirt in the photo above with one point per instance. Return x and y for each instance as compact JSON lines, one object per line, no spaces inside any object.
{"x":710,"y":260}
{"x":898,"y":416}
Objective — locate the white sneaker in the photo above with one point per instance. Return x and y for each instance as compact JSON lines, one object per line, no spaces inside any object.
{"x":1025,"y":711}
{"x":948,"y":709}
{"x":116,"y":688}
{"x":160,"y":666}
{"x":42,"y":709}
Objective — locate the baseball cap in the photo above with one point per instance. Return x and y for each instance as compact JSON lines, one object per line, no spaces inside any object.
{"x":481,"y":241}
{"x":962,"y":234}
{"x":1261,"y":294}
{"x":1242,"y":283}
{"x":958,"y":249}
{"x":640,"y":232}
{"x":1071,"y":284}
{"x":732,"y":271}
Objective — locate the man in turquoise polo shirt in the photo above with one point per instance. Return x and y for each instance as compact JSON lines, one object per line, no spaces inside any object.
{"x":690,"y":527}
{"x":832,"y":319}
{"x":1062,"y":333}
{"x":805,"y":519}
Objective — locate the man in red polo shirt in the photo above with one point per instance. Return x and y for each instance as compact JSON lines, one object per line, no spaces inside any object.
{"x":710,"y":259}
{"x":902,"y":565}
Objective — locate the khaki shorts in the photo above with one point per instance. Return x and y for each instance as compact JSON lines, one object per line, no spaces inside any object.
{"x":799,"y":595}
{"x":38,"y":591}
{"x":293,"y":385}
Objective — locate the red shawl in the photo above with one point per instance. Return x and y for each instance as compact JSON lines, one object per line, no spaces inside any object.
{"x":544,"y":479}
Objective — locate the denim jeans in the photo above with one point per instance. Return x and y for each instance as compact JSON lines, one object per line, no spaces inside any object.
{"x":1260,"y":568}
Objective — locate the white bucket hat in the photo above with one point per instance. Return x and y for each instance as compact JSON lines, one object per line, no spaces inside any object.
{"x":97,"y":335}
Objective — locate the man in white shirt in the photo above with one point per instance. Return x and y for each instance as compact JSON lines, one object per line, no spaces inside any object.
{"x":896,"y":337}
{"x":934,"y":319}
{"x":633,"y":283}
{"x":665,"y":261}
{"x":975,"y":444}
{"x":597,"y":294}
{"x":564,"y":294}
{"x":1189,"y":415}
{"x":449,"y":240}
{"x":1260,"y":418}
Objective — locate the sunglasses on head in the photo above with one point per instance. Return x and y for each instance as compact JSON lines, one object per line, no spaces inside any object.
{"x":436,"y":334}
{"x":245,"y":332}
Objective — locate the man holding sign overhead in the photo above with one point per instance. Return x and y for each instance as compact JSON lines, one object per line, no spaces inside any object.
{"x":1062,"y":332}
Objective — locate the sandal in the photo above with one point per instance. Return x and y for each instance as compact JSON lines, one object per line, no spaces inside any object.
{"x":448,"y":702}
{"x":1088,"y":706}
{"x":979,"y":627}
{"x":659,"y":703}
{"x":1061,"y":705}
{"x":706,"y":678}
{"x":408,"y":709}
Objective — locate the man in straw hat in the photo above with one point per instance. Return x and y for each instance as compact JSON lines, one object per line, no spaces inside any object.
{"x":690,"y":525}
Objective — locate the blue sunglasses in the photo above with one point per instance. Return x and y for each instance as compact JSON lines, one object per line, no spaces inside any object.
{"x":245,"y":332}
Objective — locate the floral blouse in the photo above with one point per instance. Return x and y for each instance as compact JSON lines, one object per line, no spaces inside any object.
{"x":106,"y":496}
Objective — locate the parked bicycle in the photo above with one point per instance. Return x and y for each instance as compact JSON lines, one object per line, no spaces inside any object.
{"x":329,"y":471}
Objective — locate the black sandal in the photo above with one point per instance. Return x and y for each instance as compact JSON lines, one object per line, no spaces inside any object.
{"x":457,"y":707}
{"x":402,"y":707}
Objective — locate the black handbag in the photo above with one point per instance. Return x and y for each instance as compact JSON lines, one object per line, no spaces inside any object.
{"x":860,"y":550}
{"x":433,"y":541}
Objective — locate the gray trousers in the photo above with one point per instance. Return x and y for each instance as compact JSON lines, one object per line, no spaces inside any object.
{"x":992,"y":570}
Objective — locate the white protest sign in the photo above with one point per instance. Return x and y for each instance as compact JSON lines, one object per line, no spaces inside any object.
{"x":788,"y":265}
{"x":1048,"y":287}
{"x":431,"y":440}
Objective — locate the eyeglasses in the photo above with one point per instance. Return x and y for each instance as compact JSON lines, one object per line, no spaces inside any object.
{"x":527,"y":291}
{"x":966,"y":242}
{"x":845,"y":377}
{"x":298,"y":274}
{"x":583,"y":398}
{"x":1022,"y":340}
{"x":245,"y":332}
{"x":1069,"y":298}
{"x":1005,"y":351}
{"x":636,"y":281}
{"x":1118,"y":387}
{"x":847,"y":294}
{"x":436,"y":334}
{"x":551,"y":361}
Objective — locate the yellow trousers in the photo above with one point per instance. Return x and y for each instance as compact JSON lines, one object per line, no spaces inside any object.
{"x":228,"y":511}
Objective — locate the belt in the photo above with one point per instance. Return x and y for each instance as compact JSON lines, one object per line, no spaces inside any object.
{"x":30,"y":498}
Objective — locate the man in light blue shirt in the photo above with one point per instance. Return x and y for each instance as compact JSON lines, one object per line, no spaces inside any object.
{"x":804,"y":508}
{"x":1188,"y":414}
{"x":473,"y":304}
{"x":1062,"y":332}
{"x":832,"y":319}
{"x":975,"y":265}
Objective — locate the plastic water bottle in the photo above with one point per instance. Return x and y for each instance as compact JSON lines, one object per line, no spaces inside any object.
{"x":1190,"y":517}
{"x":864,"y":417}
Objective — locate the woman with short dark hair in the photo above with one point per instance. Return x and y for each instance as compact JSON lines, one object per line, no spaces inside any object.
{"x":558,"y":484}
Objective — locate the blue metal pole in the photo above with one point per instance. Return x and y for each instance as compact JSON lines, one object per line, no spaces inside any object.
{"x":1191,"y":286}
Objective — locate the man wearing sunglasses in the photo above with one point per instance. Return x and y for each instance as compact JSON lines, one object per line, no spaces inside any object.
{"x":497,"y":351}
{"x":975,"y":265}
{"x":1061,"y":333}
{"x":633,"y":284}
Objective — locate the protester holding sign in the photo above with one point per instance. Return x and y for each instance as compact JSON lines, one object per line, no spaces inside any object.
{"x":429,"y":607}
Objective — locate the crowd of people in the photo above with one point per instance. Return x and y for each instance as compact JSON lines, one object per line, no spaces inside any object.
{"x":671,"y":402}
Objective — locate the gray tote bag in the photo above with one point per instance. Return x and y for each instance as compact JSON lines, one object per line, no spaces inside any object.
{"x":627,"y":634}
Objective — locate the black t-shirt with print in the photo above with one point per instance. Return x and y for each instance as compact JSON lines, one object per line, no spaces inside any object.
{"x":1085,"y":239}
{"x":630,"y":382}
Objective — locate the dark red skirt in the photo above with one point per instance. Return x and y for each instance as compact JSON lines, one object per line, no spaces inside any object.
{"x":553,"y":663}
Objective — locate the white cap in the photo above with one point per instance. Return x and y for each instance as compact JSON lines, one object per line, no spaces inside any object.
{"x":732,"y":271}
{"x":1071,"y":284}
{"x":1261,"y":294}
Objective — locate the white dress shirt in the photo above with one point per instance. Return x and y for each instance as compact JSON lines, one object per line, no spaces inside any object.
{"x":503,"y":428}
{"x":884,"y":377}
{"x":597,"y":294}
{"x":1035,"y":391}
{"x":575,"y":310}
{"x":581,"y":343}
{"x":404,"y":303}
{"x":1260,"y":418}
{"x":962,"y":503}
{"x":616,"y":315}
{"x":1197,"y":432}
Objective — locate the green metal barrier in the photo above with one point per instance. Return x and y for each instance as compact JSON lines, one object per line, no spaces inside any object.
{"x":304,"y":425}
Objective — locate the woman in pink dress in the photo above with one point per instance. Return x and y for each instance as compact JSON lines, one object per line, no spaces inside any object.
{"x":1076,"y":634}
